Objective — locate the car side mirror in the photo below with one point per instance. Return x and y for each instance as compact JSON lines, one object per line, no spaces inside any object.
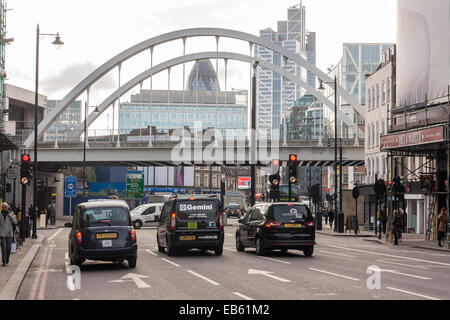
{"x":68,"y":225}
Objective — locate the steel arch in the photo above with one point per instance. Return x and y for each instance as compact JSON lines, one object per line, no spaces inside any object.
{"x":176,"y":35}
{"x":200,"y":56}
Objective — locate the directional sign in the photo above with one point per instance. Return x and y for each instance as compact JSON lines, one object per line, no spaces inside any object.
{"x":267,"y":274}
{"x":71,"y":187}
{"x":12,"y":173}
{"x":135,"y":185}
{"x":136,"y":278}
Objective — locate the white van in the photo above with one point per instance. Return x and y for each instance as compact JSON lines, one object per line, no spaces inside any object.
{"x":145,"y":214}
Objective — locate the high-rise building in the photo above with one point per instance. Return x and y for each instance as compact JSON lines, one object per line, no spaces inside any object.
{"x":275,"y":94}
{"x":68,"y":122}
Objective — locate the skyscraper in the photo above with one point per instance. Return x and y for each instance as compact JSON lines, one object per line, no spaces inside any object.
{"x":275,"y":94}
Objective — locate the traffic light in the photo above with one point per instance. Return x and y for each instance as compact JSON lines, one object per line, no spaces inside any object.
{"x":380,"y":188}
{"x":292,"y":164}
{"x":274,"y":177}
{"x":396,"y":187}
{"x":26,"y":170}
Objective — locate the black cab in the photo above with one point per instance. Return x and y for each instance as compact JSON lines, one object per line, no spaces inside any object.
{"x":102,"y":230}
{"x":282,"y":226}
{"x":191,"y":222}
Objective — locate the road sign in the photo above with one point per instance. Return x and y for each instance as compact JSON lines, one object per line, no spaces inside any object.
{"x":135,"y":185}
{"x":71,"y":186}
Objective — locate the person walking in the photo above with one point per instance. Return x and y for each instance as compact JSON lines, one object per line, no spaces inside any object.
{"x":7,"y":222}
{"x":31,"y":214}
{"x":443,"y":219}
{"x":326,"y":215}
{"x":401,"y":215}
{"x":397,"y":223}
{"x":51,"y":214}
{"x":331,"y":218}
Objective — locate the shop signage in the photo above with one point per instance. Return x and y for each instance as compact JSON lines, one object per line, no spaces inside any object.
{"x":413,"y":138}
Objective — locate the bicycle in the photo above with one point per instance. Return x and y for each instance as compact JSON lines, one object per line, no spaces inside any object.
{"x":429,"y":226}
{"x":447,"y":237}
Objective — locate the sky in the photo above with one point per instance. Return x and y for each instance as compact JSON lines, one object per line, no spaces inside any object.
{"x":93,"y":31}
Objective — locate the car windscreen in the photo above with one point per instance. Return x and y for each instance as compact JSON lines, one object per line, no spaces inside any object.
{"x":156,"y":199}
{"x":197,"y":210}
{"x":139,"y":210}
{"x":290,"y":213}
{"x":233,"y":206}
{"x":105,"y":216}
{"x":284,"y":191}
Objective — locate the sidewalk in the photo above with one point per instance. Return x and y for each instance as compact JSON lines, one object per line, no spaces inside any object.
{"x":409,"y":240}
{"x":11,"y":276}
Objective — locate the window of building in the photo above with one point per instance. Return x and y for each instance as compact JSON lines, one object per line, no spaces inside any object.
{"x":206,"y":180}
{"x":388,"y":89}
{"x":378,"y":94}
{"x":369,"y":99}
{"x":383,"y":94}
{"x":377,"y":136}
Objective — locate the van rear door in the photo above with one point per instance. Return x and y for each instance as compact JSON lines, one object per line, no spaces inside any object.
{"x":199,"y":214}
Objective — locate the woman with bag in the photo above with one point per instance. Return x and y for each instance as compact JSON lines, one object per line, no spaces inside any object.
{"x":397,"y":224}
{"x":7,"y":222}
{"x":442,"y":218}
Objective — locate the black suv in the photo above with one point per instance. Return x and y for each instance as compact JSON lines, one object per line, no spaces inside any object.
{"x":191,"y":222}
{"x":233,"y":210}
{"x":277,"y":226}
{"x":102,"y":230}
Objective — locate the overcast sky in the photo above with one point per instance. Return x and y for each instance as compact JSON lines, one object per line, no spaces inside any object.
{"x":96,"y":30}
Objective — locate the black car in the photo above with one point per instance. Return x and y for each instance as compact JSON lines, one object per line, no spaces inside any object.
{"x":233,"y":210}
{"x":191,"y":223}
{"x":102,"y":230}
{"x":282,"y":226}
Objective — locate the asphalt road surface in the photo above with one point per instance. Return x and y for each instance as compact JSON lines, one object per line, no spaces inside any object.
{"x":341,"y":268}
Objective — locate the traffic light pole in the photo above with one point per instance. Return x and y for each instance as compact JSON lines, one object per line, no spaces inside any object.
{"x":253,"y":141}
{"x":335,"y":156}
{"x":35,"y":166}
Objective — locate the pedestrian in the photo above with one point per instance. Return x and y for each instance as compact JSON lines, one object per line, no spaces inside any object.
{"x":383,"y":219}
{"x":31,"y":214}
{"x":8,"y":221}
{"x":326,"y":216}
{"x":396,"y":225}
{"x":402,"y":224}
{"x":443,"y":219}
{"x":51,"y":214}
{"x":331,"y":218}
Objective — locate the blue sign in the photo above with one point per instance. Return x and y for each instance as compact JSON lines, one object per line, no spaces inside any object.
{"x":71,"y":187}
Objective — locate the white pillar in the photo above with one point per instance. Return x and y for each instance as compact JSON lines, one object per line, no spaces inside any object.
{"x":351,"y":177}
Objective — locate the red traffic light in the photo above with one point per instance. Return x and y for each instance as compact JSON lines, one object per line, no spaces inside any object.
{"x":276,"y":162}
{"x":26,"y":158}
{"x":293,"y":157}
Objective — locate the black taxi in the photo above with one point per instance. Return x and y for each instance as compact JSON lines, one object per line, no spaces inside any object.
{"x":191,"y":222}
{"x":102,"y":230}
{"x":282,"y":226}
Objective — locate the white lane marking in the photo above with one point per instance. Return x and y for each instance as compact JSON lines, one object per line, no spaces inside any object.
{"x":412,"y":293}
{"x":333,"y":274}
{"x":168,"y":261}
{"x":203,"y":277}
{"x":55,"y":235}
{"x":402,"y":264}
{"x":151,"y":252}
{"x":400,"y":273}
{"x":136,"y":278}
{"x":229,"y":234}
{"x":242,"y":296}
{"x":267,"y":274}
{"x":390,"y":255}
{"x":229,"y":249}
{"x":274,"y":260}
{"x":338,"y":254}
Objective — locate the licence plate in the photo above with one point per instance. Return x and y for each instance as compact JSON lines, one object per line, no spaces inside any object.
{"x":292,"y":225}
{"x":107,"y":243}
{"x":100,"y":236}
{"x":187,"y":237}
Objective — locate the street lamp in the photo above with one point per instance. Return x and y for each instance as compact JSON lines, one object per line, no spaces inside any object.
{"x":96,"y":111}
{"x":58,"y":43}
{"x":339,"y":214}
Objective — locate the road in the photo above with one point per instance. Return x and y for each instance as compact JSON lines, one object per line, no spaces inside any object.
{"x":339,"y":270}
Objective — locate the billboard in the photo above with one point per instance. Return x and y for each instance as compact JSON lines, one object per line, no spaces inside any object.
{"x":423,"y":50}
{"x":412,"y":138}
{"x":244,"y":183}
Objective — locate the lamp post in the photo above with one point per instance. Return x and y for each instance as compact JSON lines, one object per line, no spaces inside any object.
{"x":86,"y":136}
{"x":58,"y":43}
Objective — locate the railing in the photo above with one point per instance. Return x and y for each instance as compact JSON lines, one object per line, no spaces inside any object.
{"x":109,"y":136}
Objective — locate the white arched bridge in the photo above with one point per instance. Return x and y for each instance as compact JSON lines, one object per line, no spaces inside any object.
{"x":144,"y":149}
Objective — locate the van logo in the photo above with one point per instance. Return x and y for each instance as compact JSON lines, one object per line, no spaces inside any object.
{"x":189,"y":207}
{"x":183,"y":207}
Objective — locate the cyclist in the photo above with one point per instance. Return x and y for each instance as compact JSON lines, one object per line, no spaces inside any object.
{"x":442,"y":218}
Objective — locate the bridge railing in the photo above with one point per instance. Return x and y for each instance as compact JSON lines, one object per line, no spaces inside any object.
{"x":325,"y":136}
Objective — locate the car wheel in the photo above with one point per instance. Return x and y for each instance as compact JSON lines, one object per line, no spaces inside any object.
{"x":132,"y":262}
{"x":137,"y":224}
{"x":75,"y":262}
{"x":218,"y":251}
{"x":160,"y":249}
{"x":260,"y":250}
{"x":239,"y":246}
{"x":308,"y":252}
